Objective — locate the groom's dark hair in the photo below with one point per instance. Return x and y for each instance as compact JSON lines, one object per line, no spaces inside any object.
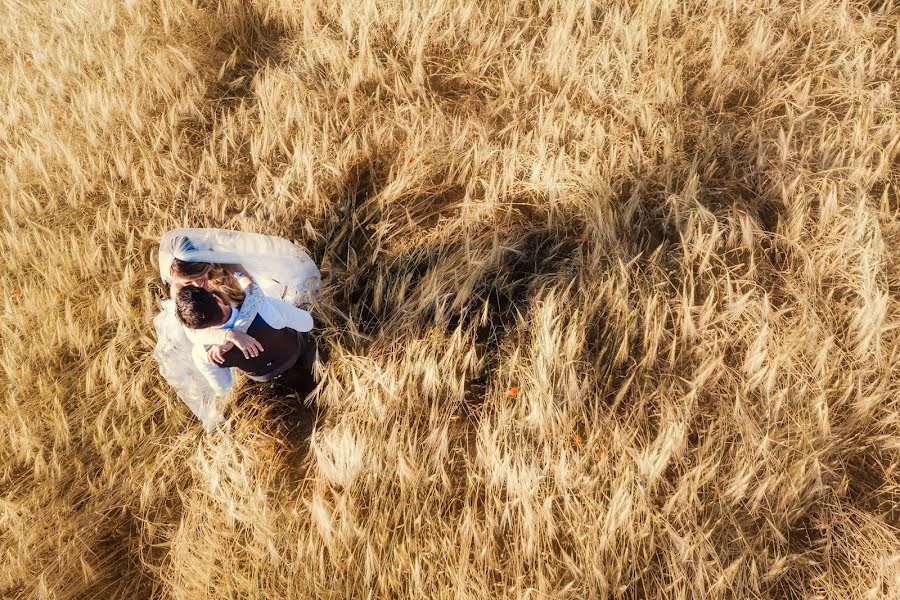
{"x":197,"y":308}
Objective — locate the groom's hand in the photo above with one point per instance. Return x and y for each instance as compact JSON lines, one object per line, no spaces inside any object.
{"x":216,"y":354}
{"x":246,"y":343}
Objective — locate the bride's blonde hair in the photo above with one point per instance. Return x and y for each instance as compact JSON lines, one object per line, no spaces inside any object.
{"x":220,"y":280}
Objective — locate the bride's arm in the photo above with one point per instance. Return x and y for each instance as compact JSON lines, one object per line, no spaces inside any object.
{"x":211,"y":336}
{"x":253,"y":295}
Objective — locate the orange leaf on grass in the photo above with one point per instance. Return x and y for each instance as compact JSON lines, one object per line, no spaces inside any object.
{"x":599,"y":454}
{"x":18,"y":293}
{"x":576,"y":439}
{"x":513,"y":391}
{"x":28,"y":63}
{"x":584,"y":236}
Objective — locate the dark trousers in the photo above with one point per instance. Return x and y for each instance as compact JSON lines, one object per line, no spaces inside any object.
{"x":299,"y":378}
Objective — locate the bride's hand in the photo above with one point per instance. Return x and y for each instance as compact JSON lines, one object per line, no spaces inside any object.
{"x":246,"y":343}
{"x":216,"y":354}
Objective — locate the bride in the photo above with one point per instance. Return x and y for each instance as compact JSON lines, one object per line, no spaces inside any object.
{"x":239,"y":265}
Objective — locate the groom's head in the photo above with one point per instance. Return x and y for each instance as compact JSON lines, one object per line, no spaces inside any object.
{"x":198,"y":308}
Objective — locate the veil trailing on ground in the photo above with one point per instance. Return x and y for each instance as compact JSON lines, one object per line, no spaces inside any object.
{"x":280,"y":268}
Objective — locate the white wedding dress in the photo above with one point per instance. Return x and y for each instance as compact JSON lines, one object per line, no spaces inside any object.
{"x":280,"y":268}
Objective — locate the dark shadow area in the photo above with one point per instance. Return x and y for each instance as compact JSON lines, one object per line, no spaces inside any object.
{"x":348,"y":234}
{"x":246,"y":43}
{"x":290,"y":417}
{"x":293,"y":413}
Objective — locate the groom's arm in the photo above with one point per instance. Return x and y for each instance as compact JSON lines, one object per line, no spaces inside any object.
{"x":279,"y":314}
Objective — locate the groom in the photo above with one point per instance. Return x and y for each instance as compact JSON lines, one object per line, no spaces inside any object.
{"x":278,"y":328}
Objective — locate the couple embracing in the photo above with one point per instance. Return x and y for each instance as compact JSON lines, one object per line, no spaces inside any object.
{"x":234,"y":302}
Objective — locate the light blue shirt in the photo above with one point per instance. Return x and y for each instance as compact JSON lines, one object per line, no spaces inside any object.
{"x":229,"y":324}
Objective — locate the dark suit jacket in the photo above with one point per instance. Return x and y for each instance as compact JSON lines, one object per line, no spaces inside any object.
{"x":281,"y":350}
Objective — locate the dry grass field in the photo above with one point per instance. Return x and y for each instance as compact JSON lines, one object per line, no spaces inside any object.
{"x":610,"y":298}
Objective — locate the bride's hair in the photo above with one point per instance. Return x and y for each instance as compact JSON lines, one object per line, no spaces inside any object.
{"x":220,"y":280}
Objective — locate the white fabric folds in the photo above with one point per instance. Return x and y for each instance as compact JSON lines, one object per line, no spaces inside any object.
{"x":281,"y":270}
{"x":280,"y":267}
